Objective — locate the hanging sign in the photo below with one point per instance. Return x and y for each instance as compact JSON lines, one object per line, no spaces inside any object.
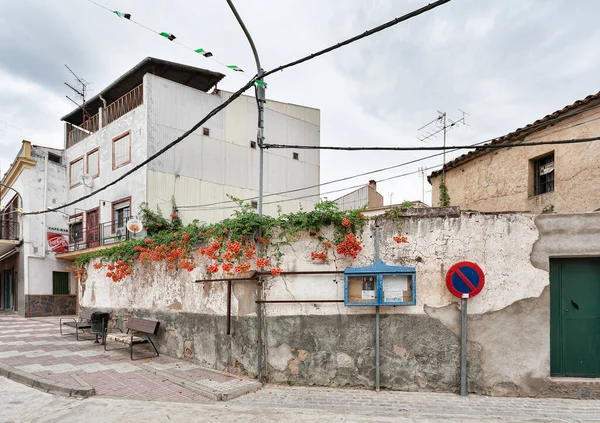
{"x":57,"y":243}
{"x":465,"y":279}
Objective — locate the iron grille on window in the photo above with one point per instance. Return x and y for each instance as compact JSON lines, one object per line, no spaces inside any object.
{"x":543,"y":174}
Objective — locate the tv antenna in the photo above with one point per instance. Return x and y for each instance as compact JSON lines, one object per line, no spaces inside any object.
{"x":441,"y":124}
{"x":80,"y":93}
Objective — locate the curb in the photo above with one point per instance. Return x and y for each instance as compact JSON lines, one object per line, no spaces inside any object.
{"x":46,"y":385}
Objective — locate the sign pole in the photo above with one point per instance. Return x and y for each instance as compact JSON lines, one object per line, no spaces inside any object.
{"x":377,"y":327}
{"x":463,"y":346}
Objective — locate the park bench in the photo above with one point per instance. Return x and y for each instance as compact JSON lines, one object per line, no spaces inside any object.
{"x":81,"y":323}
{"x":138,"y":332}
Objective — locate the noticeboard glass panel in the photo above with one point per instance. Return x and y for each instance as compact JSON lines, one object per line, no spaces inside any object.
{"x":362,"y":289}
{"x":397,"y":288}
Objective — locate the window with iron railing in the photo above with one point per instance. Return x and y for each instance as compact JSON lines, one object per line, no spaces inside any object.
{"x":543,"y":174}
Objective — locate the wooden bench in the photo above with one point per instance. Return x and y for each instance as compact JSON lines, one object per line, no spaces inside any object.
{"x":79,"y":324}
{"x":138,"y":332}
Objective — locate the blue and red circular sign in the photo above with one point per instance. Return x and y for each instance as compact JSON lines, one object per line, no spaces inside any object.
{"x":465,"y":279}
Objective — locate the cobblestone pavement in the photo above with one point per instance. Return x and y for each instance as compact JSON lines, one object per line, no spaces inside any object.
{"x":366,"y":402}
{"x":23,"y":404}
{"x":35,"y":346}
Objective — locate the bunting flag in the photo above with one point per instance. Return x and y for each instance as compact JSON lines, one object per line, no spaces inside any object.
{"x":204,"y":53}
{"x":170,"y":37}
{"x":260,"y":83}
{"x":235,"y":68}
{"x":122,"y":15}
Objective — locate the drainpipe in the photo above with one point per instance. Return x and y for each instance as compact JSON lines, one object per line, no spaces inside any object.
{"x":377,"y":319}
{"x":45,"y":228}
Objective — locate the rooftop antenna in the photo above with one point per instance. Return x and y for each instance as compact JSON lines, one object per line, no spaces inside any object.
{"x":442,"y":124}
{"x":80,"y":91}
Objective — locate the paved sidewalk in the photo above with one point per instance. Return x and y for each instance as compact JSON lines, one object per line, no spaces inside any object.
{"x":453,"y":407}
{"x":35,"y":347}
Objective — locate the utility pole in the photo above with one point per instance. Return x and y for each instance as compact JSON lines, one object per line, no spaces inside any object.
{"x":441,"y":124}
{"x":260,"y":100}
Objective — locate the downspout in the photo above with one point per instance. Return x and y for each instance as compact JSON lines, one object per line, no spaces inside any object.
{"x":44,"y":206}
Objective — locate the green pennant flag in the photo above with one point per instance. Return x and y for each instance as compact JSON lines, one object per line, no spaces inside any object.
{"x":203,"y":52}
{"x":260,"y":83}
{"x":170,"y":37}
{"x":235,"y":68}
{"x":122,"y":15}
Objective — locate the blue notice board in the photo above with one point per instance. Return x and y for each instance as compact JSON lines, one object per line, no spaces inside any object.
{"x":380,"y":284}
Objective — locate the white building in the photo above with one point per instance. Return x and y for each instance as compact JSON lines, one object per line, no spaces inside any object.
{"x":32,"y":280}
{"x":363,"y":197}
{"x":150,"y":106}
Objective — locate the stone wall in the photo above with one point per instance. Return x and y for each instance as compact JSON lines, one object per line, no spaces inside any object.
{"x":334,"y":345}
{"x":50,"y":305}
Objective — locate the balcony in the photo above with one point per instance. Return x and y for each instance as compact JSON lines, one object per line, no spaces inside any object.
{"x":10,"y":235}
{"x":106,"y":116}
{"x":94,"y":238}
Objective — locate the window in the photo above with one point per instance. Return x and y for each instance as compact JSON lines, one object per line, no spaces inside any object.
{"x":60,"y":283}
{"x":93,"y":163}
{"x":75,"y":231}
{"x":54,"y":158}
{"x":122,"y":150}
{"x":75,"y":171}
{"x":295,"y":156}
{"x":543,"y":174}
{"x":121,"y":213}
{"x":205,"y":131}
{"x":254,"y":204}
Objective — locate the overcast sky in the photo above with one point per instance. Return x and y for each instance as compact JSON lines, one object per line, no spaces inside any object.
{"x":505,"y":62}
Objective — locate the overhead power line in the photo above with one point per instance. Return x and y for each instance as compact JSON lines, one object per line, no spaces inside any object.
{"x":439,"y":148}
{"x":360,"y":36}
{"x":239,"y":93}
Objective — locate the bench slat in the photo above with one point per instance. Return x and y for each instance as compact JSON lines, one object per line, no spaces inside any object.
{"x":143,"y":325}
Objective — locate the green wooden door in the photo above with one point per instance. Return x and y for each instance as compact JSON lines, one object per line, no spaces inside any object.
{"x":575,"y":317}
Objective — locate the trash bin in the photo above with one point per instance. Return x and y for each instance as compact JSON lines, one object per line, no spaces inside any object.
{"x":99,"y":324}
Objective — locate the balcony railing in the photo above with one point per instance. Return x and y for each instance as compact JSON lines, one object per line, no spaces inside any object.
{"x":74,"y":135}
{"x":10,"y":230}
{"x":123,"y":105}
{"x":110,"y":113}
{"x":96,"y":236}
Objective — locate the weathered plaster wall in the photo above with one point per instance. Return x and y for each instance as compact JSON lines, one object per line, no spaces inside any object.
{"x":205,"y":168}
{"x":501,"y":180}
{"x":134,"y":186}
{"x":331,"y":344}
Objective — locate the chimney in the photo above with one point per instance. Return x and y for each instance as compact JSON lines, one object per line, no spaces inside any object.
{"x":373,"y":184}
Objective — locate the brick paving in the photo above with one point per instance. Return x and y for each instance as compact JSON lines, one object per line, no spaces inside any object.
{"x":35,"y":346}
{"x":452,"y":406}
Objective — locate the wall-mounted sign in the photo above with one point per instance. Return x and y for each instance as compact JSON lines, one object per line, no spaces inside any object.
{"x":57,"y":243}
{"x":60,"y":230}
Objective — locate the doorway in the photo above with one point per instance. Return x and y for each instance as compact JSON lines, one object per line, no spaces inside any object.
{"x":575,"y":317}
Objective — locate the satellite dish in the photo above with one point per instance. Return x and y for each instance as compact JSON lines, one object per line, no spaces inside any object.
{"x":134,"y":226}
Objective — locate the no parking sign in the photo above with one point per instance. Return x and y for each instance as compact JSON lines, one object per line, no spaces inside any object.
{"x":465,"y":279}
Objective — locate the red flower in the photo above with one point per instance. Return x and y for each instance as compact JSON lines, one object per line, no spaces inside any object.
{"x":227,"y":267}
{"x":400,"y":239}
{"x":213,"y":268}
{"x":276,"y":271}
{"x":346,"y":222}
{"x":173,"y":215}
{"x":98,"y":266}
